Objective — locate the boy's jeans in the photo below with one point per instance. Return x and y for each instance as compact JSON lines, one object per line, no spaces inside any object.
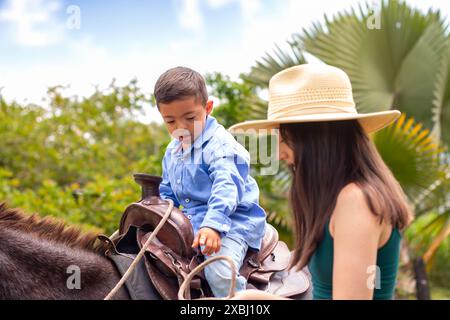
{"x":218,"y":273}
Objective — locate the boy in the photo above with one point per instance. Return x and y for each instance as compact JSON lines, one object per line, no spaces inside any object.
{"x":207,"y":172}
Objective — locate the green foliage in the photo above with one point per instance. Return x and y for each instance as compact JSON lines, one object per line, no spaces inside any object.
{"x":238,"y":100}
{"x":98,"y":206}
{"x":397,"y":66}
{"x":413,"y":156}
{"x":273,"y":63}
{"x":75,"y":158}
{"x":421,"y":166}
{"x":404,"y":65}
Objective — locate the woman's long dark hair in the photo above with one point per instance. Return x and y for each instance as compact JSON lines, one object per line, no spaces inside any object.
{"x":328,"y":156}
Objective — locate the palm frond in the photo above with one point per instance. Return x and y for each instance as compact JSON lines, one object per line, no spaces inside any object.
{"x":396,"y":66}
{"x":273,"y":63}
{"x":441,"y":102}
{"x":440,"y":237}
{"x":413,"y":156}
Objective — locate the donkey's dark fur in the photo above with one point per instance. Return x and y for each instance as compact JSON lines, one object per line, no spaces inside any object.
{"x":36,"y":256}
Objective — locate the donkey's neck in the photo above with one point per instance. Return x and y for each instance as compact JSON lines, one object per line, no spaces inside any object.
{"x":32,"y":267}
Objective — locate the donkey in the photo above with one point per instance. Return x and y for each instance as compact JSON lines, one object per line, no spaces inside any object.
{"x":40,"y":258}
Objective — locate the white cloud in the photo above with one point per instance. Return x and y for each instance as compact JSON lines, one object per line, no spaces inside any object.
{"x":249,"y":8}
{"x":442,"y":5}
{"x":189,"y":14}
{"x":218,"y":3}
{"x":262,"y":27}
{"x":262,"y":30}
{"x":33,"y":22}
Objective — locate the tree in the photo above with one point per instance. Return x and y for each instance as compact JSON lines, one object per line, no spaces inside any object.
{"x":74,"y":159}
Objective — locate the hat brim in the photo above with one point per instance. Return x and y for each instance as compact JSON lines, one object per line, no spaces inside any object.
{"x":370,"y":122}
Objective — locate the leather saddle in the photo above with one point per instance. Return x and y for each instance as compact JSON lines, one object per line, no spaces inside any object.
{"x":170,"y":257}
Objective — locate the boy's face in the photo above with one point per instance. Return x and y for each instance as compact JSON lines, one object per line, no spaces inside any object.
{"x":185,"y":118}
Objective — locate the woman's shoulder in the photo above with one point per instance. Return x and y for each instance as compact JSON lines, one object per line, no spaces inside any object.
{"x":352,"y":212}
{"x":351,"y":192}
{"x":351,"y":199}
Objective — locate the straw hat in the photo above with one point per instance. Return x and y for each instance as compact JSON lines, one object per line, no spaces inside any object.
{"x":310,"y":93}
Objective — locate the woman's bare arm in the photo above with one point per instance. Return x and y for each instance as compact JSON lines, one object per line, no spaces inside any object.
{"x":356,"y":232}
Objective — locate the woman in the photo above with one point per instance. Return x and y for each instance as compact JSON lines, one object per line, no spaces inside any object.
{"x":348,"y":208}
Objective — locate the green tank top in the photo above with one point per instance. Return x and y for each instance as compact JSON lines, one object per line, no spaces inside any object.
{"x":321,"y":267}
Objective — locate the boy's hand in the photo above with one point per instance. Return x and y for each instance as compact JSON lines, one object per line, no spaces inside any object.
{"x":209,"y":238}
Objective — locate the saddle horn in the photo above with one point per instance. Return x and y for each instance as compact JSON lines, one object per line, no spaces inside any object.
{"x":149,"y":184}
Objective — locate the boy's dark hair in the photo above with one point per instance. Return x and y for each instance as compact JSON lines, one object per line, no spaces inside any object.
{"x":180,"y":83}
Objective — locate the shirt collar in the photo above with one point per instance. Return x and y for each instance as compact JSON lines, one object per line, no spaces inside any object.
{"x":211,"y":125}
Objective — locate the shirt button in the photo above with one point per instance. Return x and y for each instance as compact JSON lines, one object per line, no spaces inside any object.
{"x":187,"y":200}
{"x":189,"y":217}
{"x":178,"y":181}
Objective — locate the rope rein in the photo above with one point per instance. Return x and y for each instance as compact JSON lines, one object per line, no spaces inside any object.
{"x":187,"y":281}
{"x":142,"y":252}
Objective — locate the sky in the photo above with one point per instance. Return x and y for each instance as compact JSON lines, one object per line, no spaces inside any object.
{"x":87,"y":43}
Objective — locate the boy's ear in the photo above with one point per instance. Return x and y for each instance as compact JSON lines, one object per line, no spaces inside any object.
{"x":209,"y":106}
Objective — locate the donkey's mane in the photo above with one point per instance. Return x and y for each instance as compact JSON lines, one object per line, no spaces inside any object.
{"x":50,"y":229}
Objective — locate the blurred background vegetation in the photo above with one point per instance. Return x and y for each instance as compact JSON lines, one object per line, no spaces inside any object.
{"x":74,"y":158}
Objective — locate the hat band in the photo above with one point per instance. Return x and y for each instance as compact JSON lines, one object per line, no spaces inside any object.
{"x":293,"y":111}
